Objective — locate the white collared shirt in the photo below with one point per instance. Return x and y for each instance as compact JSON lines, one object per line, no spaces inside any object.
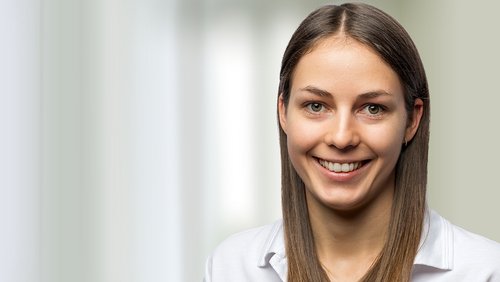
{"x":447,"y":253}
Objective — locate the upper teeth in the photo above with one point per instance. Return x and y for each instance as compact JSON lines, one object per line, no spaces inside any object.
{"x":340,"y":167}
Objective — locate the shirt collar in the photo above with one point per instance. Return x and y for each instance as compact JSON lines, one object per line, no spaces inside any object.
{"x":274,"y":245}
{"x":435,"y":249}
{"x":436,"y":245}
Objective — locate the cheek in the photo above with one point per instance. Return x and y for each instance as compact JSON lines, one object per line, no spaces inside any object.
{"x":298,"y":143}
{"x":387,"y":140}
{"x":302,"y":135}
{"x":301,"y":139}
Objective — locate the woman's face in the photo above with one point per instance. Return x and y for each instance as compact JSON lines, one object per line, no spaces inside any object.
{"x":345,"y":124}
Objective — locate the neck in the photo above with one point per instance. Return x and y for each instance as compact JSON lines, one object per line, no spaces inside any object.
{"x":363,"y":231}
{"x":350,"y":240}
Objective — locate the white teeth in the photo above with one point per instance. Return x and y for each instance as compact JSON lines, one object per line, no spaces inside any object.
{"x":345,"y":167}
{"x":329,"y":165}
{"x":338,"y":167}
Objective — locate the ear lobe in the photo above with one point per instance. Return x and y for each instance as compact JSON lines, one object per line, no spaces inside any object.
{"x":418,"y":111}
{"x":282,"y":113}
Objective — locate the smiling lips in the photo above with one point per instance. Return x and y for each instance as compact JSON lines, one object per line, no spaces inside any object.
{"x":340,"y":167}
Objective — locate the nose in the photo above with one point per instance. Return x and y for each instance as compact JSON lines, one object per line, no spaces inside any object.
{"x":342,"y":131}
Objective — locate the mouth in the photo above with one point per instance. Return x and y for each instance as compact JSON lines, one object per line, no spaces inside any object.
{"x":341,"y":167}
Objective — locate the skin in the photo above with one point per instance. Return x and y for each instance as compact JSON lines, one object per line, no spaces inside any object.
{"x":347,"y":105}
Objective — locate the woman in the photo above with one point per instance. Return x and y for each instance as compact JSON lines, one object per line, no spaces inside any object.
{"x":353,"y":112}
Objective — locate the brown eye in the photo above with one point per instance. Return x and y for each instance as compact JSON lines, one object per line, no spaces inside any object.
{"x":315,"y":107}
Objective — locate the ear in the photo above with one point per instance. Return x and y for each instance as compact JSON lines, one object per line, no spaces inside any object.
{"x":411,"y":129}
{"x":282,"y":113}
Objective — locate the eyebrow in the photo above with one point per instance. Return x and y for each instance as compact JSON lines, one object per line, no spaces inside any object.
{"x":374,"y":94}
{"x":323,"y":93}
{"x":317,"y":91}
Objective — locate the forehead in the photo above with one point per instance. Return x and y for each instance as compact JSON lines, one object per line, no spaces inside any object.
{"x":341,"y":64}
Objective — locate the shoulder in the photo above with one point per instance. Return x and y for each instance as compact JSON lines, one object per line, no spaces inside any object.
{"x":474,"y":256}
{"x":475,"y":250}
{"x":251,"y":241}
{"x":245,"y":256}
{"x":451,"y":253}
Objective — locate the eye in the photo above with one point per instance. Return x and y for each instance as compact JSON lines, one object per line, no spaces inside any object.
{"x":315,"y":107}
{"x":374,"y":109}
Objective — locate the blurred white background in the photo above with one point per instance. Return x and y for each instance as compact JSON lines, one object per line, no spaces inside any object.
{"x":137,"y":134}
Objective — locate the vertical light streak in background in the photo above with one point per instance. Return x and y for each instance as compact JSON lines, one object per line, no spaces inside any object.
{"x":191,"y":113}
{"x":63,"y":213}
{"x":114,"y":220}
{"x":19,"y":143}
{"x":154,"y":137}
{"x":229,"y":101}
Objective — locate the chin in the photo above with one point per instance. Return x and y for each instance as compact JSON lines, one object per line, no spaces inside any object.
{"x":338,"y":204}
{"x":349,"y":207}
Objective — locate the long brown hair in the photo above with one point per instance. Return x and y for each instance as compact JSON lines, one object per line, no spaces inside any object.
{"x":374,"y":28}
